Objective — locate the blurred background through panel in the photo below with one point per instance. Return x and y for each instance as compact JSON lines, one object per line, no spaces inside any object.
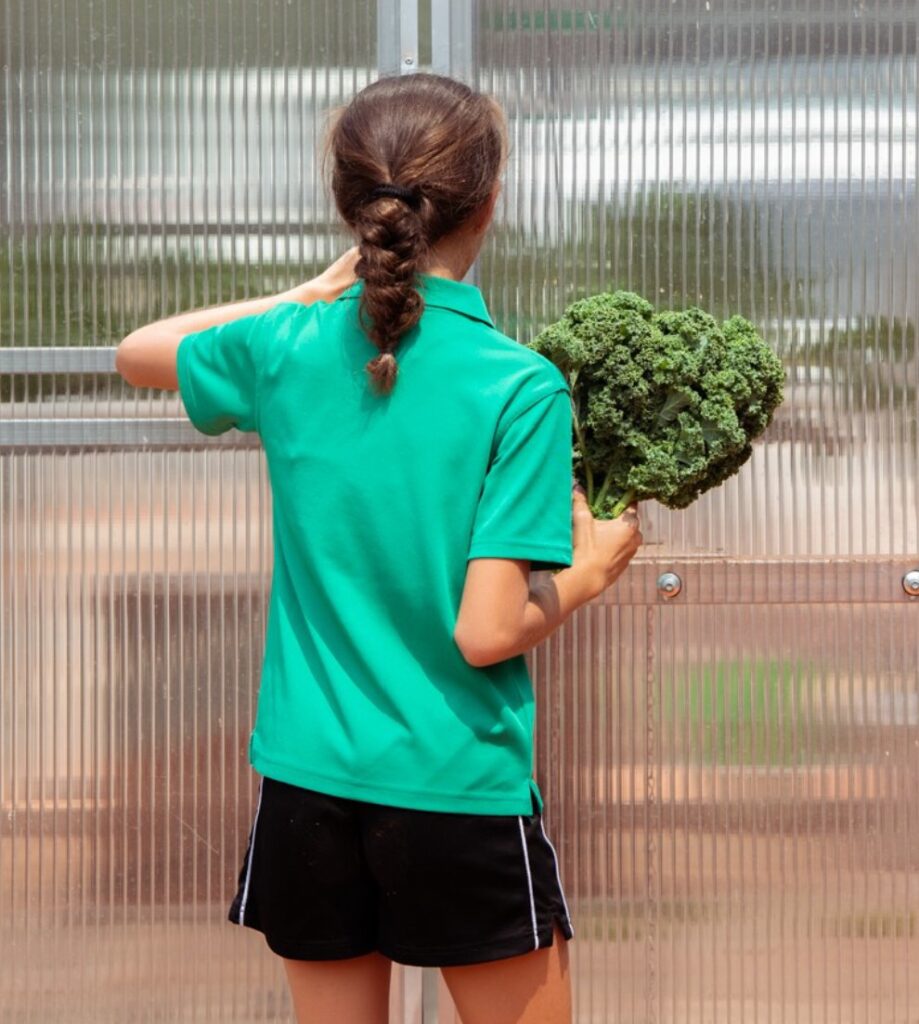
{"x":731,"y":773}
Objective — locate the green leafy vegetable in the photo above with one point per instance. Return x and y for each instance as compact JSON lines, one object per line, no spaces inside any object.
{"x":665,"y":405}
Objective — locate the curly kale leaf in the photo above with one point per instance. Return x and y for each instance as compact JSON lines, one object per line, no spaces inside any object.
{"x":665,"y":404}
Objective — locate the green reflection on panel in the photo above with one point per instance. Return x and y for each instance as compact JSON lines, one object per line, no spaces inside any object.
{"x":743,"y":713}
{"x":133,"y":34}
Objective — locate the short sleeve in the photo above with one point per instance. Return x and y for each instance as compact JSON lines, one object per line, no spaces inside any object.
{"x":524,"y":510}
{"x":217,"y":376}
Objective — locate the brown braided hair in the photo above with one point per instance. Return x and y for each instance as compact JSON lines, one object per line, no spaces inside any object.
{"x":413,"y":157}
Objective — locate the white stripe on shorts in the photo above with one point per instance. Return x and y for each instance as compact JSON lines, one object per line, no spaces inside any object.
{"x":526,"y":861}
{"x":557,"y":876}
{"x":245,"y":895}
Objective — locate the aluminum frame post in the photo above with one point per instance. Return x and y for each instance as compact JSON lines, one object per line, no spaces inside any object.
{"x":453,"y":52}
{"x":397,"y":37}
{"x":453,"y":39}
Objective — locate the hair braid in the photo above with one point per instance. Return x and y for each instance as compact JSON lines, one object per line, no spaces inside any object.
{"x":391,"y":245}
{"x":413,"y":157}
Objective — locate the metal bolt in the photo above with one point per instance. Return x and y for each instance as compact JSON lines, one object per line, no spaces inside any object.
{"x":911,"y":583}
{"x":408,"y":60}
{"x":669,"y":584}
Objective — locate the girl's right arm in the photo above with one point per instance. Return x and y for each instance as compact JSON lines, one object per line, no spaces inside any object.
{"x":501,"y":616}
{"x":147,"y":356}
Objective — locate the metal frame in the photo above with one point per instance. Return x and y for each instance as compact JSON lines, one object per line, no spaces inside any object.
{"x":453,"y":38}
{"x":717,"y":581}
{"x":454,"y":27}
{"x":58,"y":359}
{"x":112,"y":433}
{"x":397,"y":37}
{"x":453,"y":52}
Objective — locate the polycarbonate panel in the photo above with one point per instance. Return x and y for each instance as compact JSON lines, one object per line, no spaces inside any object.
{"x":154,"y":158}
{"x":753,"y":158}
{"x":730,"y":775}
{"x":734,"y":796}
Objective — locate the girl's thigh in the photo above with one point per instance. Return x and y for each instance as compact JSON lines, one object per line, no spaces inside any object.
{"x":338,"y":991}
{"x":534,"y":988}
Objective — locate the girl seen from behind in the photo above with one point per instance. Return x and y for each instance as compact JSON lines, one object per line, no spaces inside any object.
{"x":421,"y":468}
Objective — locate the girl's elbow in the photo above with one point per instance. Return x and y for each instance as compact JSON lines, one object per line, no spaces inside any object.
{"x":149,"y":360}
{"x":142,"y":362}
{"x":481,"y":652}
{"x":126,"y":363}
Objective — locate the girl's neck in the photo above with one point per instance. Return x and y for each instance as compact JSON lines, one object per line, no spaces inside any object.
{"x":454,"y":269}
{"x":454,"y":254}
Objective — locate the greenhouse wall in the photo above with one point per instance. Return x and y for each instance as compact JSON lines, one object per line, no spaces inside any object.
{"x":727,"y":740}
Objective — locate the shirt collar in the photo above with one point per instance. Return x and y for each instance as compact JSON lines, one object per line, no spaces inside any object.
{"x":444,"y":293}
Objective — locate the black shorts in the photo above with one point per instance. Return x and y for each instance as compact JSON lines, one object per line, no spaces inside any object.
{"x":326,"y":877}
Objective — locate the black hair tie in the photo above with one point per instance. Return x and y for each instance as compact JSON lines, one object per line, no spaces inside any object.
{"x":407,"y":195}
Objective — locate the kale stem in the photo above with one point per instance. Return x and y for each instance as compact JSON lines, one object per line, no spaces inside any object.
{"x":606,"y":482}
{"x":596,"y":501}
{"x":623,"y":503}
{"x":588,"y":472}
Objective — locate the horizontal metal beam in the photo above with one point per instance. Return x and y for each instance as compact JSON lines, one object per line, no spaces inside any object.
{"x":706,"y":581}
{"x":712,"y":580}
{"x":58,"y":359}
{"x":62,"y":435}
{"x":31,"y":432}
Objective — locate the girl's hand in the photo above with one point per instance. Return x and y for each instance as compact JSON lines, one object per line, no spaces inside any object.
{"x":335,"y":279}
{"x":603,"y":548}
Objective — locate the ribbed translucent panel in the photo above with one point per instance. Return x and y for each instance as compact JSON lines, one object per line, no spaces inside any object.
{"x":154,"y":158}
{"x":734,"y":795}
{"x":731,"y":774}
{"x":753,"y":158}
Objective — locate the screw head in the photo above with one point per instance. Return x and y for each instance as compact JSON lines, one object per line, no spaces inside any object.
{"x":911,"y":583}
{"x":669,"y":584}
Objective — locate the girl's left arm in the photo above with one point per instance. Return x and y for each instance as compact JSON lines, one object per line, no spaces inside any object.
{"x":146,"y":357}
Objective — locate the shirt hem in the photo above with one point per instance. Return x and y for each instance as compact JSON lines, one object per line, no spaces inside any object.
{"x":186,"y":388}
{"x":461,"y":803}
{"x":522,"y":549}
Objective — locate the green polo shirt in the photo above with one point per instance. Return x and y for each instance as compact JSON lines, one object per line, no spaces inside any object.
{"x":378,"y":503}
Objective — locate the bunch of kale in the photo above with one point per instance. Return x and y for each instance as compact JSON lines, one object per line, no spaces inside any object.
{"x":665,"y":405}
